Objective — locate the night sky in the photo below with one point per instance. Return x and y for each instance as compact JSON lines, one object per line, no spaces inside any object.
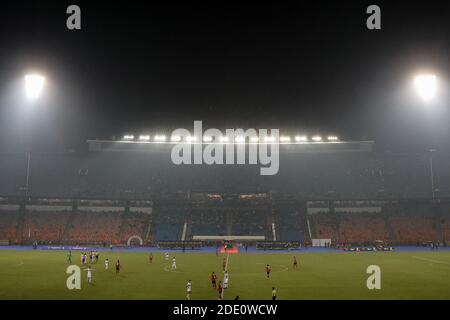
{"x":153,"y":66}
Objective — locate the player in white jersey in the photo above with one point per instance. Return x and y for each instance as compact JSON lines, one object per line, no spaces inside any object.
{"x":106,"y":264}
{"x":174,"y":263}
{"x":188,"y":290}
{"x":225,"y":280}
{"x":167,"y":256}
{"x":89,"y":274}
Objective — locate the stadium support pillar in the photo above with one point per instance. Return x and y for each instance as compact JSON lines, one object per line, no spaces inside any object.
{"x":27,"y":184}
{"x":183,"y":235}
{"x":432,"y":173}
{"x":274,"y":233}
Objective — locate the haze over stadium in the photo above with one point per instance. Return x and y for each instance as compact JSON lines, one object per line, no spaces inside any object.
{"x":102,"y":161}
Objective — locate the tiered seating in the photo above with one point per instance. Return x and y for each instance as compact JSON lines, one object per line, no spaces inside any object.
{"x":208,"y":222}
{"x":8,"y":224}
{"x":95,"y":227}
{"x":324,"y":225}
{"x":446,"y":227}
{"x":288,"y":223}
{"x":166,"y":232}
{"x":168,"y":222}
{"x":133,"y":224}
{"x":249,"y":222}
{"x":362,"y":228}
{"x":45,"y":226}
{"x":410,"y":229}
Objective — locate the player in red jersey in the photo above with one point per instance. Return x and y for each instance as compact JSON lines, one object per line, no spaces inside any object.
{"x":220,"y":290}
{"x":117,"y":266}
{"x":213,"y":280}
{"x":268,"y":270}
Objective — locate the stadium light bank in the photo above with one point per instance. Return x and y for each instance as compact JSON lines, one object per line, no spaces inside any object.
{"x":232,"y":146}
{"x":235,"y":146}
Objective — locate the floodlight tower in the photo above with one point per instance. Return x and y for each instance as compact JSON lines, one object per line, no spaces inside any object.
{"x":34,"y":84}
{"x":432,"y":173}
{"x":426,"y":86}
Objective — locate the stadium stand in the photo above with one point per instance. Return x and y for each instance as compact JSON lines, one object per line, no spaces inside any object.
{"x":134,"y":224}
{"x":45,"y":226}
{"x":94,"y":228}
{"x":289,"y":223}
{"x":250,"y":222}
{"x":207,"y":221}
{"x":361,"y":228}
{"x":168,"y":219}
{"x":8,"y":225}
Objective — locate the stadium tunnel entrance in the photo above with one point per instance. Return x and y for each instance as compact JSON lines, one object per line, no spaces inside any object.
{"x":132,"y":241}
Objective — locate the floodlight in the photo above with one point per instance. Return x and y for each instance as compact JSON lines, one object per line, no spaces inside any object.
{"x":301,"y":138}
{"x":316,"y":138}
{"x":175,"y":138}
{"x":224,"y":139}
{"x":144,"y":137}
{"x":128,"y":137}
{"x":160,"y":138}
{"x":285,"y":139}
{"x":254,"y":139}
{"x":240,"y":139}
{"x":426,"y":85}
{"x":34,"y":84}
{"x":191,"y":139}
{"x":207,"y":139}
{"x":269,"y":139}
{"x":332,"y":138}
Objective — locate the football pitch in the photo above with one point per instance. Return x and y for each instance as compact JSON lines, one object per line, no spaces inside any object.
{"x":404,"y":275}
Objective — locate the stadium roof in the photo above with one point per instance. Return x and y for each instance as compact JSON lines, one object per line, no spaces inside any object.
{"x":287,"y":146}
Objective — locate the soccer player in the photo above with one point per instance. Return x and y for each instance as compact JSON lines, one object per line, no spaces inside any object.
{"x":268,"y":270}
{"x":220,"y":290}
{"x":150,"y":258}
{"x":117,"y":266}
{"x":96,"y":256}
{"x":274,"y":293}
{"x":69,"y":257}
{"x":224,"y":264}
{"x":225,"y":280}
{"x":167,"y":256}
{"x":174,"y":263}
{"x":106,"y":264}
{"x":213,"y":280}
{"x":89,"y":274}
{"x":295,"y":262}
{"x":188,"y":290}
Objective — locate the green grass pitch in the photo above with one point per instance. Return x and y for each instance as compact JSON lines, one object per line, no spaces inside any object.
{"x":404,"y":275}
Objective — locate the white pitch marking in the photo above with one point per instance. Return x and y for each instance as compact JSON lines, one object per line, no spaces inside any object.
{"x":431,"y":260}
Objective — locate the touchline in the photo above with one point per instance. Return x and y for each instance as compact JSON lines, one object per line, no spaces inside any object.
{"x":235,"y":147}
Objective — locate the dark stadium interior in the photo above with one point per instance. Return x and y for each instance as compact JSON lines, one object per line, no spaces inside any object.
{"x":246,"y":150}
{"x":306,"y":175}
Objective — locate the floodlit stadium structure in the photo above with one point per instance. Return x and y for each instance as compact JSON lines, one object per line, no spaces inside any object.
{"x":128,"y":192}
